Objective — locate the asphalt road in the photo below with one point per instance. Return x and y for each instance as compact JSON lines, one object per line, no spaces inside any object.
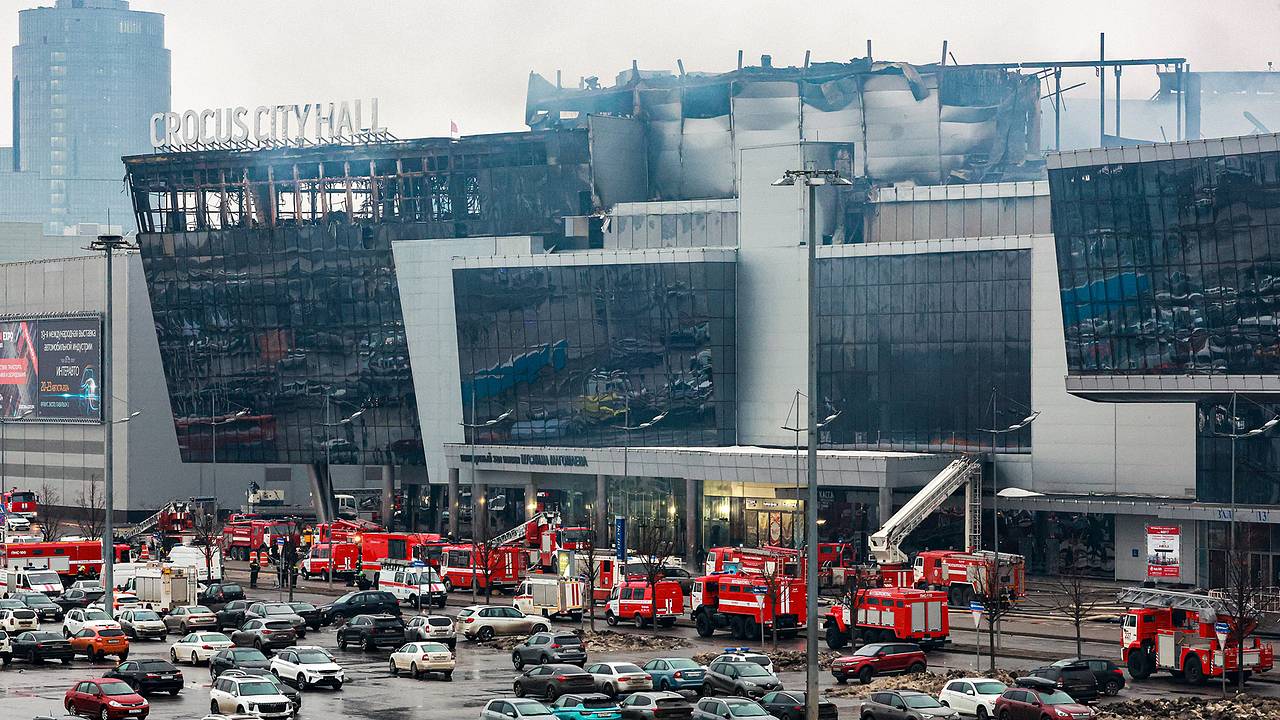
{"x":483,"y":673}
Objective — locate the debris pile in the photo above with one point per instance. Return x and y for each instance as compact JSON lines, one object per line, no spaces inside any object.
{"x":926,"y":682}
{"x":783,"y":660}
{"x":601,"y":641}
{"x":1242,"y":707}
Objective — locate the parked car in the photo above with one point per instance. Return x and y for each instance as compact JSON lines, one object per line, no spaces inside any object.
{"x":248,"y":694}
{"x":148,"y":676}
{"x":360,"y":602}
{"x":42,"y":645}
{"x":1039,"y":698}
{"x":1075,"y":680}
{"x":515,"y":710}
{"x":75,"y":597}
{"x":1107,"y":675}
{"x":46,"y":609}
{"x":19,"y":619}
{"x":660,"y":705}
{"x":96,"y":643}
{"x":308,"y":666}
{"x":265,"y":634}
{"x":729,"y":708}
{"x":423,"y":657}
{"x":372,"y":632}
{"x":278,"y":611}
{"x":142,"y":624}
{"x":6,"y":648}
{"x":743,"y":654}
{"x":879,"y":659}
{"x":294,"y":695}
{"x":78,"y":619}
{"x":675,"y":673}
{"x":232,"y":615}
{"x":589,"y":706}
{"x":483,"y":622}
{"x":17,"y":524}
{"x":619,"y":678}
{"x":11,"y":604}
{"x":105,"y":699}
{"x":198,"y":647}
{"x":185,"y":618}
{"x":790,"y":705}
{"x":432,"y":628}
{"x":973,"y":696}
{"x":309,"y":613}
{"x":552,"y":681}
{"x":216,"y":595}
{"x":237,"y":658}
{"x":905,"y":705}
{"x":744,"y":679}
{"x":549,"y":647}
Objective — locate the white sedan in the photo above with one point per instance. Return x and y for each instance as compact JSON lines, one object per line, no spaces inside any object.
{"x":423,"y":657}
{"x":307,"y":666}
{"x":78,"y":619}
{"x":972,"y":696}
{"x":198,"y":647}
{"x":619,"y":678}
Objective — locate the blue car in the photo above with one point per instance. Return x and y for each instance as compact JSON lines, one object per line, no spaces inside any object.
{"x":675,"y":673}
{"x":591,"y":706}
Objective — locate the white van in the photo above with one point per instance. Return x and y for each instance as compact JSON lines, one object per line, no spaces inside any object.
{"x":193,"y":557}
{"x":43,"y":580}
{"x":409,"y":581}
{"x":123,"y":573}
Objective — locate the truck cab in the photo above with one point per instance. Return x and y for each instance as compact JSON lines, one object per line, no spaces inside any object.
{"x":634,"y":600}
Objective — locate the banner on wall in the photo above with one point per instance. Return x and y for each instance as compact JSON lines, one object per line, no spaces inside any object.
{"x":51,"y":369}
{"x":1164,"y":551}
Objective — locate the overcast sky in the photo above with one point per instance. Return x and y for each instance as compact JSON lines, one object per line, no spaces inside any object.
{"x":468,"y":60}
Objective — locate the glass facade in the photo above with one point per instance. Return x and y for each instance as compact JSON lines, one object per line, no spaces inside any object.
{"x":1257,"y":459}
{"x":913,"y":348}
{"x":577,"y":353}
{"x":1170,"y":267}
{"x":284,"y":345}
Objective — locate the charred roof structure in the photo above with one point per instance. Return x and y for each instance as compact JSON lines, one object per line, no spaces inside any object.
{"x":928,"y":124}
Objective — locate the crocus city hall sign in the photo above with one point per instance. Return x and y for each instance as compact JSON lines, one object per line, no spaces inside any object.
{"x":267,"y":124}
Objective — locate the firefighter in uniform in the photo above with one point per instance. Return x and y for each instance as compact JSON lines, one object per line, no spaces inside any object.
{"x":253,"y":568}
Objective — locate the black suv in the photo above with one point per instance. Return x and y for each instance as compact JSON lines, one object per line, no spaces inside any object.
{"x":1107,"y":676}
{"x":372,"y":631}
{"x":1075,"y":680}
{"x":361,"y":602}
{"x":218,"y":594}
{"x":238,"y":658}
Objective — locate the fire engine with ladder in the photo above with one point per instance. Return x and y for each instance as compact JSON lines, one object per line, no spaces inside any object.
{"x":1169,"y":630}
{"x":742,"y":604}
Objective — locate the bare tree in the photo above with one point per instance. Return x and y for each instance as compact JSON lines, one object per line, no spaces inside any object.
{"x":773,"y":577}
{"x":589,"y":571}
{"x":53,"y":514}
{"x":995,"y":595}
{"x":655,"y":546}
{"x":92,"y":516}
{"x":856,"y":586}
{"x":1073,"y":596}
{"x":208,"y":537}
{"x":1243,"y":597}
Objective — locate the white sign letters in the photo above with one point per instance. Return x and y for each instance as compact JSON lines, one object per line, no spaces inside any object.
{"x":314,"y":122}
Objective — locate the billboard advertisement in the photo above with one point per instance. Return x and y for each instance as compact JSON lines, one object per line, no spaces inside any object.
{"x":50,"y":369}
{"x":1164,"y":551}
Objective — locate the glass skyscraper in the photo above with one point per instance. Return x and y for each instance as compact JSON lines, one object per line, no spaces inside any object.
{"x":87,"y":76}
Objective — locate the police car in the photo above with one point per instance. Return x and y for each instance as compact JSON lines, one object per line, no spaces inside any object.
{"x":409,"y":581}
{"x":744,"y":654}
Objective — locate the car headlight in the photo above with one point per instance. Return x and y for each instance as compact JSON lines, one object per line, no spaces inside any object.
{"x":1061,"y":713}
{"x":113,"y":703}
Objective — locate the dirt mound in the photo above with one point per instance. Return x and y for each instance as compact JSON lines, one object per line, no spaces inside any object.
{"x":925,"y":682}
{"x":783,"y":660}
{"x":601,"y":641}
{"x":1243,"y":707}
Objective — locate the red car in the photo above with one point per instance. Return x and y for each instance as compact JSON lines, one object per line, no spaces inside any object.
{"x":106,"y":699}
{"x":1038,"y":700}
{"x":879,"y":659}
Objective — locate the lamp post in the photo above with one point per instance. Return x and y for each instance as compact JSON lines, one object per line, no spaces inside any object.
{"x":476,"y":512}
{"x":108,"y":533}
{"x":331,"y":563}
{"x":797,"y":430}
{"x":213,"y":423}
{"x":3,"y":423}
{"x":626,"y":442}
{"x":1260,"y":430}
{"x":812,"y":179}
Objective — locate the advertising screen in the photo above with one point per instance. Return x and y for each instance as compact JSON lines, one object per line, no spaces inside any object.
{"x":50,"y":369}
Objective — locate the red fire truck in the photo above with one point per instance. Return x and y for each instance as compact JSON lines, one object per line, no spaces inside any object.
{"x":342,"y":556}
{"x":887,"y":614}
{"x":634,"y":600}
{"x":1175,"y":631}
{"x":836,"y":561}
{"x":378,"y":546}
{"x":20,"y":502}
{"x":964,"y":575}
{"x":342,"y":530}
{"x":70,"y":559}
{"x":243,"y":535}
{"x":742,"y":603}
{"x":461,"y":565}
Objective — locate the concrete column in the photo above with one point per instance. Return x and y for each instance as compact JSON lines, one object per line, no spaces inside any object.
{"x":388,"y":495}
{"x":692,"y":513}
{"x":321,"y":495}
{"x":602,"y":511}
{"x":413,"y":501}
{"x":453,"y":503}
{"x":885,"y":505}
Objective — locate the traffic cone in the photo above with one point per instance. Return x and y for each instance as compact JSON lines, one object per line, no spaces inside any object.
{"x":144,"y":553}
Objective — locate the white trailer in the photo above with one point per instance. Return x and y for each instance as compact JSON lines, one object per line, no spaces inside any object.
{"x":162,"y":587}
{"x":551,"y":596}
{"x":206,"y":569}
